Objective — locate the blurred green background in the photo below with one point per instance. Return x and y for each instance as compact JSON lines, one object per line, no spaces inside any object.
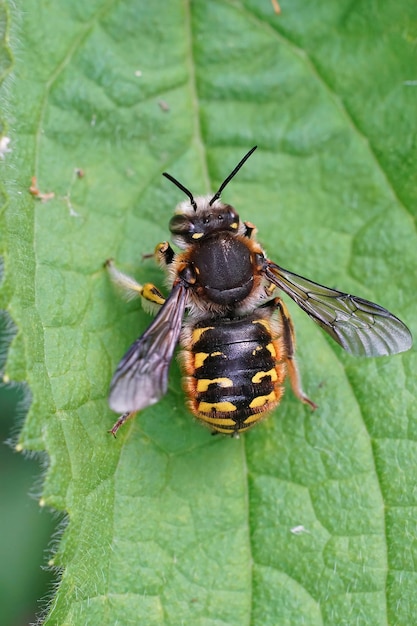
{"x":25,"y":528}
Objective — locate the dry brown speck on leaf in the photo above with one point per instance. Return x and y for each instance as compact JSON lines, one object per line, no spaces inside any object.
{"x":43,"y":197}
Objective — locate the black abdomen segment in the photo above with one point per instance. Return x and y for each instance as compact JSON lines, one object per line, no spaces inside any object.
{"x":235,"y":372}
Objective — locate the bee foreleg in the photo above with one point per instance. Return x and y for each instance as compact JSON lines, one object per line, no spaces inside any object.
{"x":288,"y":336}
{"x":152,"y":298}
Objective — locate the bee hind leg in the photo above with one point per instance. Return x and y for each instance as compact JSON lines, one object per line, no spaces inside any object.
{"x":295,"y":381}
{"x":288,"y":335}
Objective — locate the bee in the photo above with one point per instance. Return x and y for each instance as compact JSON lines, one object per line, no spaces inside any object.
{"x":236,"y":335}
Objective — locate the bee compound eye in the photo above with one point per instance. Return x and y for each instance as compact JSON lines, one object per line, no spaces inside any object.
{"x":232,"y":219}
{"x":181,"y":225}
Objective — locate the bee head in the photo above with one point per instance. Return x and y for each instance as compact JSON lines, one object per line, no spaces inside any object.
{"x":190,"y":226}
{"x":203,"y":215}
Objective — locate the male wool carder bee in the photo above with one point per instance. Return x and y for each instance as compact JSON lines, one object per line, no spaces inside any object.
{"x":237,"y":338}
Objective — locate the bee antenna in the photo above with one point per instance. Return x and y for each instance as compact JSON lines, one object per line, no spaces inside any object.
{"x":184,"y":189}
{"x":229,"y":178}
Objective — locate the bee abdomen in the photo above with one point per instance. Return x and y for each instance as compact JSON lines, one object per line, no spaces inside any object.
{"x":234,"y":372}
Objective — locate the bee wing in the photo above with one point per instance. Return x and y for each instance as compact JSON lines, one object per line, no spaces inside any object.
{"x":141,"y":377}
{"x":359,"y":326}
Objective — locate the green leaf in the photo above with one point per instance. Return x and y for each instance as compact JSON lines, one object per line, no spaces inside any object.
{"x":311,"y":517}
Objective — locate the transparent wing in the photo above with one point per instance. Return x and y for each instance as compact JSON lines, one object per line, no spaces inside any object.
{"x":359,"y":326}
{"x":141,"y":377}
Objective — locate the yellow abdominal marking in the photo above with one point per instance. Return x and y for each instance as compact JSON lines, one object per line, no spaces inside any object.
{"x":262,"y":400}
{"x":264,"y":323}
{"x":199,"y":359}
{"x":260,"y":375}
{"x":204,"y":383}
{"x":197,"y":332}
{"x":253,"y":418}
{"x":271,"y":349}
{"x":219,"y":421}
{"x":224,"y":407}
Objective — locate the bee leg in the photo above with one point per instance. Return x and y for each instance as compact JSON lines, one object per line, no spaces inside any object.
{"x":249,"y":229}
{"x":152,"y":298}
{"x":164,"y":254}
{"x":289,"y":345}
{"x":122,"y":419}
